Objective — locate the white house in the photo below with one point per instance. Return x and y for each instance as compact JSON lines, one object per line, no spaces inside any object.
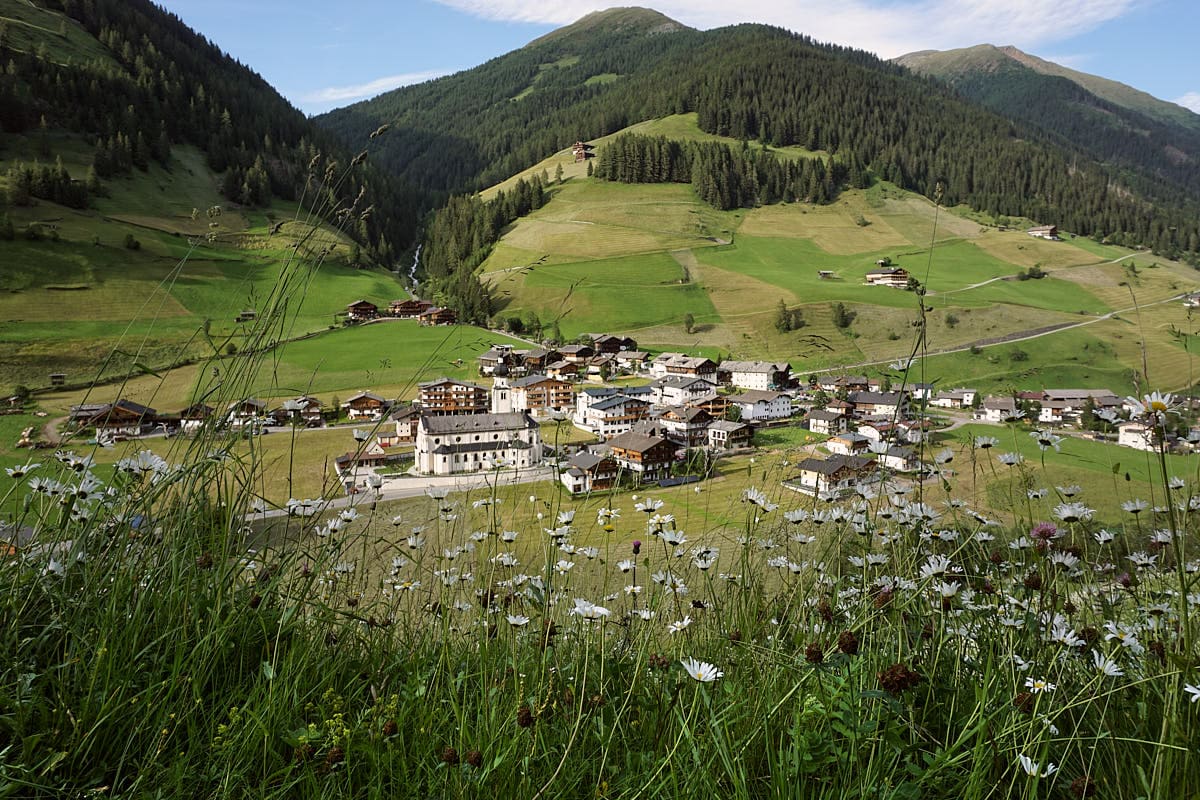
{"x":469,"y":442}
{"x":827,"y":423}
{"x":879,"y":404}
{"x":1135,"y":435}
{"x":761,"y":375}
{"x":954,"y":398}
{"x":613,"y":415}
{"x":679,"y":390}
{"x":998,"y":409}
{"x":761,"y":404}
{"x":900,"y":459}
{"x":848,"y":444}
{"x":665,"y":364}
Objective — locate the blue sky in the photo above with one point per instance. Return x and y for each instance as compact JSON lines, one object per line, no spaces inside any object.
{"x":321,"y":55}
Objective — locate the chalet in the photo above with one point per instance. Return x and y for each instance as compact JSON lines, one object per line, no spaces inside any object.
{"x":599,"y":367}
{"x":825,"y":274}
{"x":631,"y":361}
{"x":827,"y":423}
{"x":1045,"y":232}
{"x":612,"y":416}
{"x":361,"y":311}
{"x":1190,"y":300}
{"x":895,"y":277}
{"x":726,"y":435}
{"x":303,"y":410}
{"x":537,"y":359}
{"x":437,"y":316}
{"x":848,"y":444}
{"x":920,"y":391}
{"x":760,"y":405}
{"x":470,"y":442}
{"x":408,"y":309}
{"x":58,"y":379}
{"x":679,"y":390}
{"x":607,"y":343}
{"x":589,"y":472}
{"x":648,"y":457}
{"x":540,"y":395}
{"x":1061,"y":406}
{"x":1136,"y":435}
{"x":444,"y":397}
{"x":665,"y":364}
{"x":686,"y":426}
{"x":406,"y":418}
{"x":840,"y":406}
{"x":583,"y":151}
{"x":371,"y":455}
{"x":999,"y":409}
{"x":761,"y":375}
{"x":246,"y":315}
{"x":366,"y":406}
{"x":564,"y":369}
{"x":123,"y":418}
{"x":900,"y":459}
{"x":835,"y":474}
{"x":715,"y":404}
{"x":246,"y":412}
{"x":954,"y":398}
{"x":848,"y":383}
{"x":883,"y":404}
{"x":498,"y":355}
{"x":192,"y":418}
{"x":577,"y":353}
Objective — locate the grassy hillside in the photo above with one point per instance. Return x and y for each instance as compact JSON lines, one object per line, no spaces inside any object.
{"x":77,"y":294}
{"x":637,"y":258}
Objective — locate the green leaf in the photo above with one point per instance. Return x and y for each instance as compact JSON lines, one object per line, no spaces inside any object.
{"x":268,"y":671}
{"x":1116,"y":467}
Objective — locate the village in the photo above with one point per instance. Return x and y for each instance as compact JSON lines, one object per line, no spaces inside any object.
{"x":638,"y":418}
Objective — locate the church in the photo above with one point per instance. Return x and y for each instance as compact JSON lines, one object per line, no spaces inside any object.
{"x":503,"y":437}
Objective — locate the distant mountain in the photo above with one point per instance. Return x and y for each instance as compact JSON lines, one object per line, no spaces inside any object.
{"x":1112,"y":122}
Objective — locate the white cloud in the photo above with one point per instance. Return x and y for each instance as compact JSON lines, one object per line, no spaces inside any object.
{"x":1191,"y":101}
{"x":887,"y":27}
{"x":342,"y":94}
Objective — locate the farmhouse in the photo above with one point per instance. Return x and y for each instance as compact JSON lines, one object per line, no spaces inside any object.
{"x":762,"y":375}
{"x":827,"y":423}
{"x":577,"y":353}
{"x":583,"y":151}
{"x":437,"y":316}
{"x":123,"y":418}
{"x":726,"y":435}
{"x":607,"y":343}
{"x":835,"y":474}
{"x":245,"y":412}
{"x":954,"y":398}
{"x":678,"y":390}
{"x":372,"y":455}
{"x":715,"y":404}
{"x":408,"y":309}
{"x":849,"y":383}
{"x":760,"y":405}
{"x":648,"y":457}
{"x":471,"y":442}
{"x":303,"y":410}
{"x":445,"y":397}
{"x":1059,"y":406}
{"x":665,"y":364}
{"x":1190,"y":300}
{"x":1045,"y":232}
{"x":537,"y":359}
{"x":194,"y":416}
{"x":589,"y":472}
{"x":361,"y":311}
{"x":631,"y":360}
{"x":895,"y":277}
{"x":366,"y":405}
{"x":499,"y":355}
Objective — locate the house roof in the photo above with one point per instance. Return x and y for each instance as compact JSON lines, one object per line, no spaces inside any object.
{"x":364,"y":396}
{"x":449,"y":382}
{"x":635,"y":442}
{"x":754,"y":366}
{"x":829,"y":416}
{"x":361,"y":302}
{"x":727,"y":426}
{"x":688,"y":413}
{"x":533,"y":380}
{"x":877,"y":398}
{"x":616,"y":401}
{"x":835,"y":463}
{"x":758,"y":396}
{"x":681,"y":382}
{"x":475,"y":423}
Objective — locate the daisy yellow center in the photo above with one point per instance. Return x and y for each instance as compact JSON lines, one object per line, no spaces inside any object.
{"x":1158,"y":405}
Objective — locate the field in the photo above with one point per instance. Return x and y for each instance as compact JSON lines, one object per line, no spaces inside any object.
{"x":570,"y":261}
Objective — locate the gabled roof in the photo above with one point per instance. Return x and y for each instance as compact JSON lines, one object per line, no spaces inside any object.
{"x":758,"y":396}
{"x":754,"y":366}
{"x":364,"y":396}
{"x":449,"y":382}
{"x":476,"y":423}
{"x":533,"y":380}
{"x":635,"y":442}
{"x":836,"y":463}
{"x":680,"y":381}
{"x":727,"y":425}
{"x":825,"y":415}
